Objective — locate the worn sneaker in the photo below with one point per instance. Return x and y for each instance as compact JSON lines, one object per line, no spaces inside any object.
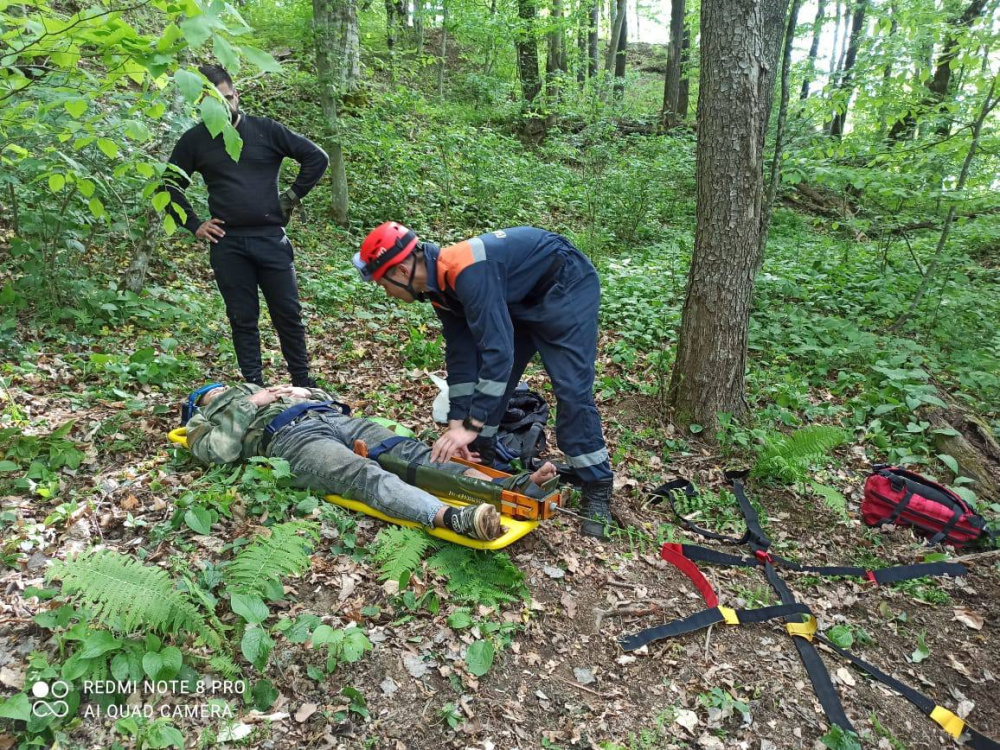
{"x":478,"y":522}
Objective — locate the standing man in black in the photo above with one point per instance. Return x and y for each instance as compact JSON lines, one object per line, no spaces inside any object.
{"x":249,"y":247}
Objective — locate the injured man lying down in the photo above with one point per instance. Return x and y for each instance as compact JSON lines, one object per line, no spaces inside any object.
{"x":330,"y":452}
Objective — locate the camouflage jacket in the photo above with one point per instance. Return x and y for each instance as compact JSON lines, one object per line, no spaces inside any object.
{"x":230,"y":428}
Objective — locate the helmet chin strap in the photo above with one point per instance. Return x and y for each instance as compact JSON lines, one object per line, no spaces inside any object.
{"x":408,"y":286}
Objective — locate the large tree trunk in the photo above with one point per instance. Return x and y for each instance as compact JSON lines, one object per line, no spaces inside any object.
{"x":333,"y":20}
{"x":939,"y":84}
{"x":556,"y":52}
{"x":741,"y":44}
{"x":672,"y":80}
{"x":844,"y":86}
{"x":813,"y":49}
{"x":616,"y":35}
{"x":527,"y":52}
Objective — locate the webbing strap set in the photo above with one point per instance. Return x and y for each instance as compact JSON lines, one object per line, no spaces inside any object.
{"x":293,"y":413}
{"x":800,"y":622}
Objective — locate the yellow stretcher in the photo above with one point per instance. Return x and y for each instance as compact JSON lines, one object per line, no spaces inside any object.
{"x":514,"y":528}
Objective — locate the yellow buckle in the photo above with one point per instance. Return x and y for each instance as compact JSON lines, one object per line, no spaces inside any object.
{"x":730,"y":616}
{"x":951,"y":723}
{"x":805,"y":629}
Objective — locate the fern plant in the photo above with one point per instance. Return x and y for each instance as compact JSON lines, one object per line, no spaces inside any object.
{"x":480,"y":577}
{"x":786,"y":458}
{"x":126,"y":595}
{"x":398,"y":552}
{"x":259,"y":567}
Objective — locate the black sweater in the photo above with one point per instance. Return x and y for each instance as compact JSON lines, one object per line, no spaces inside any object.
{"x":243,"y":194}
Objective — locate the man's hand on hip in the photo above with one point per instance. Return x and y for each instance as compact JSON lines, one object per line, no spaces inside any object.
{"x":288,"y":201}
{"x":211,"y":230}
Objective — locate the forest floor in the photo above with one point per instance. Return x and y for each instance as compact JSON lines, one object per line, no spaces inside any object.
{"x":559,"y":679}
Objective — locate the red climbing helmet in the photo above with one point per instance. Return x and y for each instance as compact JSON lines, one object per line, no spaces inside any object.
{"x":385,"y":246}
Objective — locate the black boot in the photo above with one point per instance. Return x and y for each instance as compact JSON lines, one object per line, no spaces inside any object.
{"x":304,"y":381}
{"x":596,"y":506}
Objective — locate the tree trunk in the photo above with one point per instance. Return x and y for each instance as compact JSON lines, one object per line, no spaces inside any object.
{"x":616,"y":35}
{"x":418,"y":25}
{"x":593,"y":56}
{"x":774,"y":178}
{"x":836,"y":38}
{"x":556,"y":53}
{"x":813,"y":49}
{"x":621,"y":53}
{"x":332,"y":21}
{"x":527,"y":52}
{"x":844,"y":85}
{"x":135,"y":274}
{"x":444,"y":47}
{"x":685,"y":88}
{"x":672,"y":80}
{"x":741,"y":45}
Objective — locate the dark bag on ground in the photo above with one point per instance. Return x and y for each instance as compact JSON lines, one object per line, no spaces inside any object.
{"x":905,"y":498}
{"x":521,"y":434}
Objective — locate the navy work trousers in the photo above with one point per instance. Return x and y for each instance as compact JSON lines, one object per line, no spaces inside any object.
{"x":562,"y":328}
{"x":244,"y":264}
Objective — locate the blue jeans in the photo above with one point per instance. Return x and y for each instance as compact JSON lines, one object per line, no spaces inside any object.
{"x":319,"y":451}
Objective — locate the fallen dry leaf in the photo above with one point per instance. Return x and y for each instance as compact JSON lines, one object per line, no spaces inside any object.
{"x":305,"y":711}
{"x":969,"y":618}
{"x":687,"y":719}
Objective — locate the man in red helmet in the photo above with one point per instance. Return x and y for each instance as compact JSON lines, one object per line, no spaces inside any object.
{"x":501,"y":297}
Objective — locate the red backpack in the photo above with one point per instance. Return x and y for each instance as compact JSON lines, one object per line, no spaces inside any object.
{"x":905,"y":498}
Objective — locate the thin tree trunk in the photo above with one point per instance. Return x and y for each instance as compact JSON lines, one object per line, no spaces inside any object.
{"x":846,"y":74}
{"x":621,"y":54}
{"x":329,"y":22}
{"x":672,"y":79}
{"x":741,"y":47}
{"x":527,"y":52}
{"x":774,"y":177}
{"x":135,"y":274}
{"x":685,"y":87}
{"x":553,"y":60}
{"x":616,"y":35}
{"x":444,"y":47}
{"x":813,"y":49}
{"x":418,"y":23}
{"x":988,"y":104}
{"x":594,"y":59}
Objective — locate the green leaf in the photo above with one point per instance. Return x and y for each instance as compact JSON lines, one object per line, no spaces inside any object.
{"x":841,"y":635}
{"x":162,"y":735}
{"x":251,"y":608}
{"x":17,"y":707}
{"x":459,"y":619}
{"x":264,"y":695}
{"x":99,"y":643}
{"x":479,"y":658}
{"x":256,"y":646}
{"x":152,"y":664}
{"x":75,"y":667}
{"x":8,"y":466}
{"x":949,"y":461}
{"x":172,"y":662}
{"x":261,"y":59}
{"x":160,"y":200}
{"x":86,"y":187}
{"x":696,"y":428}
{"x":198,"y":29}
{"x":56,"y":182}
{"x":234,"y":144}
{"x":225,"y":53}
{"x":190,"y":84}
{"x":214,"y":114}
{"x":75,"y":107}
{"x":199,"y":520}
{"x":96,"y":208}
{"x":355,"y":644}
{"x":108,"y":147}
{"x":921,"y":652}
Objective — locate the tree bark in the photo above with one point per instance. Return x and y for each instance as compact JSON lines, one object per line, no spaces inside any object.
{"x":616,"y":35}
{"x":774,"y":178}
{"x":672,"y":79}
{"x":527,"y":52}
{"x":836,"y":38}
{"x":593,"y":56}
{"x":621,"y":53}
{"x":556,"y":52}
{"x":332,"y":22}
{"x":845,"y":82}
{"x":741,"y":44}
{"x":444,"y":47}
{"x":683,"y":95}
{"x":813,"y":49}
